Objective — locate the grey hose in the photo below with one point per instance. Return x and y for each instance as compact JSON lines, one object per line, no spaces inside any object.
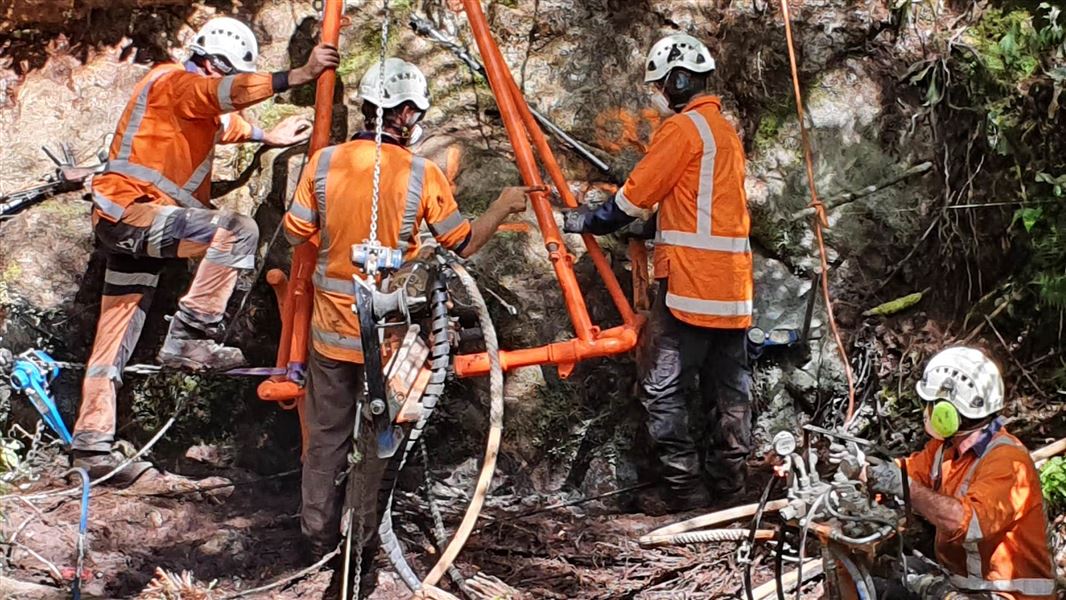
{"x":438,"y":365}
{"x":862,"y":583}
{"x":709,"y":536}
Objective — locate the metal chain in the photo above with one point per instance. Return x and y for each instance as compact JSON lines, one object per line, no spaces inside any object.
{"x":379,"y":125}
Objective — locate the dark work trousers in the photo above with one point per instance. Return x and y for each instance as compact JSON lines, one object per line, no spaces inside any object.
{"x":328,"y":414}
{"x":675,"y":355}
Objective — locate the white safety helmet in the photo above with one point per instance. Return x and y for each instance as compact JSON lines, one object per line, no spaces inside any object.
{"x":967,"y":379}
{"x":677,"y":51}
{"x":229,"y":38}
{"x":403,"y":82}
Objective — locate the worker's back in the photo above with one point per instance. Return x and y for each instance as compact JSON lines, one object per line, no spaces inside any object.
{"x":164,"y":143}
{"x":335,"y":199}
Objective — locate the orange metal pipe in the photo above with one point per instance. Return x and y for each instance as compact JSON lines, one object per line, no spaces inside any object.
{"x":551,"y":165}
{"x":296,"y":309}
{"x":561,"y":259}
{"x":563,"y":354}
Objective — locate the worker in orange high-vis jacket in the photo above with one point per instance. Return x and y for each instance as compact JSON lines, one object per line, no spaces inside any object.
{"x":152,"y":203}
{"x":976,"y":484}
{"x":334,"y":200}
{"x":693,"y":176}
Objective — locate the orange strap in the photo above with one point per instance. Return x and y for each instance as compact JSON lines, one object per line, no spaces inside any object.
{"x":820,"y":219}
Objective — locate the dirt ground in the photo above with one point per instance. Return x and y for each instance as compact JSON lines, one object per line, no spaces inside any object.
{"x":241,"y":537}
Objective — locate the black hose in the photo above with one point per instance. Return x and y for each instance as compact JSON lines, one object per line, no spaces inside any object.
{"x":779,"y":560}
{"x":750,"y":543}
{"x":439,"y":355}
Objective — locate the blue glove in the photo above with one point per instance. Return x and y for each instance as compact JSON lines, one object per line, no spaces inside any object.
{"x":575,"y":221}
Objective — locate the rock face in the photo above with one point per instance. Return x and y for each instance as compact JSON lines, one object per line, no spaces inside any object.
{"x":581,"y":64}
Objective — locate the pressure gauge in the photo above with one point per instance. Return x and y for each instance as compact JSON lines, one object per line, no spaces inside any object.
{"x":784,"y":443}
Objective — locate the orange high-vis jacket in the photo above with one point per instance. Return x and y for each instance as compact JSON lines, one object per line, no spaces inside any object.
{"x":1002,"y":545}
{"x":693,"y":174}
{"x":164,"y":145}
{"x":333,"y":199}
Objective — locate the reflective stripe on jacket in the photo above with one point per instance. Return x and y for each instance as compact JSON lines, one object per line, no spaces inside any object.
{"x":164,"y":143}
{"x":333,"y":199}
{"x":693,"y":175}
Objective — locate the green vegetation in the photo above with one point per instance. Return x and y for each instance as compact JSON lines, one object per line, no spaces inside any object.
{"x":1053,"y":481}
{"x":996,"y":91}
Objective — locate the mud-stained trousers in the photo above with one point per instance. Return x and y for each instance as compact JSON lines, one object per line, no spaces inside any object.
{"x":675,"y":354}
{"x":328,"y":414}
{"x":136,"y":247}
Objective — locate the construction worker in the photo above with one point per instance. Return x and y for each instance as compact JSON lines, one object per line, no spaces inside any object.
{"x":334,"y":200}
{"x":975,"y":483}
{"x":153,"y":203}
{"x":693,"y":176}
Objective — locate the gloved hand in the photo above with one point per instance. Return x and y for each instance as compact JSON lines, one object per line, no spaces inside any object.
{"x":574,"y":220}
{"x":849,"y":458}
{"x":929,"y":586}
{"x":885,"y":478}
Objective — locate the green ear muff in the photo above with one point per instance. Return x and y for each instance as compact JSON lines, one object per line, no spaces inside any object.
{"x":944,"y":419}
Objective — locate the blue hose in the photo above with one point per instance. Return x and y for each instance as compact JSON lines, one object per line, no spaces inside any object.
{"x":83,"y":525}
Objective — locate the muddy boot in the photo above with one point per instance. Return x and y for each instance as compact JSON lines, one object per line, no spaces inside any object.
{"x":99,"y":464}
{"x":188,"y":347}
{"x":691,"y":498}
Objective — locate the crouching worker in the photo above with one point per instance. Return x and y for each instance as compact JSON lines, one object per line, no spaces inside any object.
{"x":334,"y":200}
{"x":976,"y":484}
{"x":152,"y":203}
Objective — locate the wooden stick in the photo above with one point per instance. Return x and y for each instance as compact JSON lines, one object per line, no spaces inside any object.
{"x":811,"y":569}
{"x":713,"y":519}
{"x":1041,"y":456}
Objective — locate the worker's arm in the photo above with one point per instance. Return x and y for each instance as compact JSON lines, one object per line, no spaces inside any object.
{"x":289,"y":132}
{"x":302,"y":220}
{"x":512,"y":200}
{"x":944,"y":512}
{"x":1003,"y":488}
{"x":654,"y":177}
{"x":201,"y":97}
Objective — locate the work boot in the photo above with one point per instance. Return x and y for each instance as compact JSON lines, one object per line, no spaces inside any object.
{"x":659,"y":502}
{"x":187,"y":347}
{"x":98,"y":464}
{"x":691,"y":498}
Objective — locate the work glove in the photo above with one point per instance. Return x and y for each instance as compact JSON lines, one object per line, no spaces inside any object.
{"x":849,"y":459}
{"x":885,"y":478}
{"x":931,"y":587}
{"x":574,"y":220}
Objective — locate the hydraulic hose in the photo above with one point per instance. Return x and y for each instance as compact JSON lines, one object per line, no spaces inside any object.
{"x":779,"y":560}
{"x":862,"y":588}
{"x":803,"y":541}
{"x":750,"y":542}
{"x":438,"y":366}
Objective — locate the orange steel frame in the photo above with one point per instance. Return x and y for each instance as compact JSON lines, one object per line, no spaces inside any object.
{"x":525,"y":135}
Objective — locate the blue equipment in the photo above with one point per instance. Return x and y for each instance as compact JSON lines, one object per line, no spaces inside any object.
{"x":32,"y":373}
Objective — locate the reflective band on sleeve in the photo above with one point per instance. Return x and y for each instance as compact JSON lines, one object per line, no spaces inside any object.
{"x":293,"y":239}
{"x":103,"y":372}
{"x":629,"y":208}
{"x":224,"y":88}
{"x":447,"y":224}
{"x":302,"y":213}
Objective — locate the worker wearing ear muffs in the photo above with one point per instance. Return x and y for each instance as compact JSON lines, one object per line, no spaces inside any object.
{"x":976,"y":484}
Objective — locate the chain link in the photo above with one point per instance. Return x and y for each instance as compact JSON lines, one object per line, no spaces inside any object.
{"x":379,"y":125}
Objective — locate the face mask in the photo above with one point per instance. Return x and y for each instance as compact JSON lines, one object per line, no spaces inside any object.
{"x":414,"y":134}
{"x":661,"y":104}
